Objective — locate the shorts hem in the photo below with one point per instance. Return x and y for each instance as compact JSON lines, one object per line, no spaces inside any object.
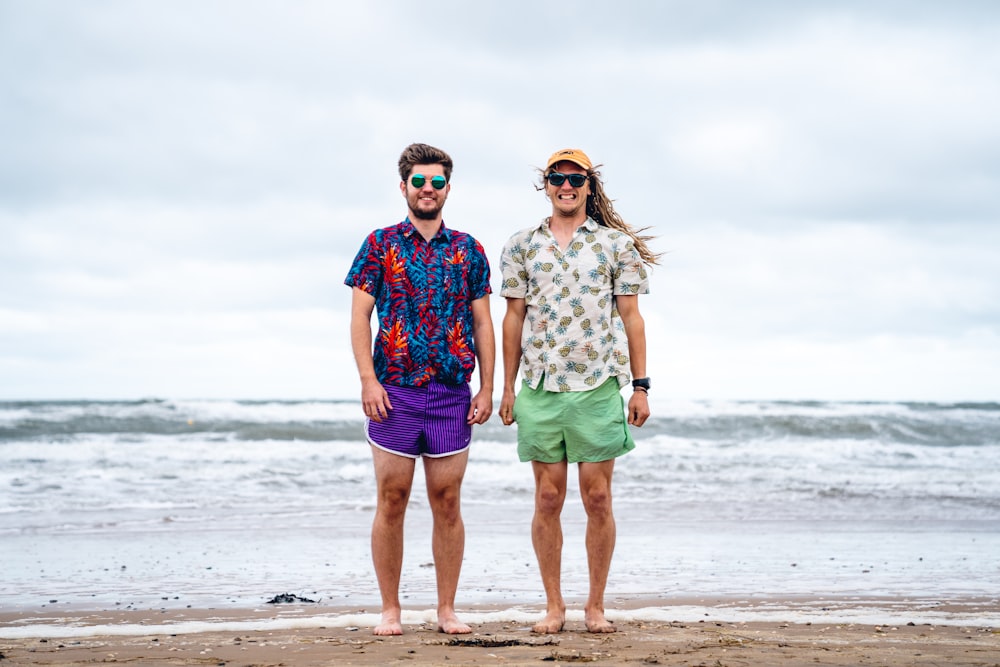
{"x":574,"y":460}
{"x":419,"y":454}
{"x":392,"y":451}
{"x":441,"y":456}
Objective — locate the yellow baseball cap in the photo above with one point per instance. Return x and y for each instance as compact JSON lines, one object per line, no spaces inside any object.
{"x":574,"y":155}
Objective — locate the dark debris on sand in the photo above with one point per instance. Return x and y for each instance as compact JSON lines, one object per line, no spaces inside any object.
{"x":287,"y":598}
{"x":497,"y":641}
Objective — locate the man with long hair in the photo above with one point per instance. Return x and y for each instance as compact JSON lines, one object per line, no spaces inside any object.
{"x":573,"y":329}
{"x":431,"y":285}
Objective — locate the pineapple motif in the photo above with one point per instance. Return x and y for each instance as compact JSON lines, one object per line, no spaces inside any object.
{"x":578,"y":304}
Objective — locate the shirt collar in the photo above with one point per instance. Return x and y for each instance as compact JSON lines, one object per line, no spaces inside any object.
{"x":409,"y":230}
{"x":589,"y":224}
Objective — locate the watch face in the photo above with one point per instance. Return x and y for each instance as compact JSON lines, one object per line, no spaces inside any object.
{"x":642,"y":382}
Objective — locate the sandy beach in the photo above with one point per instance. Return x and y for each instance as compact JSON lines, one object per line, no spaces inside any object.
{"x":208,"y":637}
{"x":505,"y":643}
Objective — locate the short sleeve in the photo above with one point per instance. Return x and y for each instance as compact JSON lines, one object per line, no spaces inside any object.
{"x":366,"y":269}
{"x":513,"y":273}
{"x":480,"y":272}
{"x":630,"y":276}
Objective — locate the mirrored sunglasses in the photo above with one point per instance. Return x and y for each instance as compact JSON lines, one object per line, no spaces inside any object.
{"x":437,"y":182}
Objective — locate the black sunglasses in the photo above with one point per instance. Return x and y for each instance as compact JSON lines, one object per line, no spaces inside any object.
{"x":438,"y":182}
{"x":557,"y":179}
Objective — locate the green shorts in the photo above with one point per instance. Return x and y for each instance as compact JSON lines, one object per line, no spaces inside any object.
{"x":574,"y":426}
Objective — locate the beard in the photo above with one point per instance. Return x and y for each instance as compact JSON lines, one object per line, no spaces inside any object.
{"x":425,"y":213}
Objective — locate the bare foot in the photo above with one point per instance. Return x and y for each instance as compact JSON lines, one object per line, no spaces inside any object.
{"x":390,"y":625}
{"x":450,"y":625}
{"x":597,"y":623}
{"x":552,"y":623}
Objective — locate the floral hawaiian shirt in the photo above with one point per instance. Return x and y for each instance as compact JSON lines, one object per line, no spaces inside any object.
{"x":573,"y":337}
{"x":423,"y":293}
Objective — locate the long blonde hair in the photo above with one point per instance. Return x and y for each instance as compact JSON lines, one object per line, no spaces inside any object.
{"x":600,"y":208}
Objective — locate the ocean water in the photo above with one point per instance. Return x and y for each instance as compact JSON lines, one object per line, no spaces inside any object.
{"x":730,"y":509}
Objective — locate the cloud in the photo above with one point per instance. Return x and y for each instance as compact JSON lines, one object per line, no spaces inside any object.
{"x":184,"y":184}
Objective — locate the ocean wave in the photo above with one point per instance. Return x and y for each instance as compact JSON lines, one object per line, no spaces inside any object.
{"x":931,"y":424}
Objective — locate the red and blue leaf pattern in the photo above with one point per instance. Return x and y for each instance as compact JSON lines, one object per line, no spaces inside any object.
{"x":423,"y":294}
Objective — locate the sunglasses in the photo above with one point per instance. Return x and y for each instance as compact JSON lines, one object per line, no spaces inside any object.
{"x":557,"y":179}
{"x":438,"y":182}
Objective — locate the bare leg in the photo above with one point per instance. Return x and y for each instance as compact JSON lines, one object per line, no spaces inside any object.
{"x":394,"y":478}
{"x":444,"y":484}
{"x":595,"y":489}
{"x":547,"y":538}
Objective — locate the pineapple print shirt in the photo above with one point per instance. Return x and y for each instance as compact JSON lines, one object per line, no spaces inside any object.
{"x":573,"y":338}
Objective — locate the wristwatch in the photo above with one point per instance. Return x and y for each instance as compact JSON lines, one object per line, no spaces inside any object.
{"x":641,"y":383}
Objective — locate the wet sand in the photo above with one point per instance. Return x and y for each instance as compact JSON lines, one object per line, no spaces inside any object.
{"x":701,"y":643}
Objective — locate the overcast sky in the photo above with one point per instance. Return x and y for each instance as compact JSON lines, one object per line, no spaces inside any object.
{"x":184,"y":184}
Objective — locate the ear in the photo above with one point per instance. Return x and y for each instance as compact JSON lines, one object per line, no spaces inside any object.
{"x":402,"y":188}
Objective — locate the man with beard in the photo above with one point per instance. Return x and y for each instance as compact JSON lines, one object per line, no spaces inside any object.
{"x":431,"y":286}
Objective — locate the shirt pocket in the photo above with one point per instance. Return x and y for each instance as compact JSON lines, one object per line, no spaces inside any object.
{"x":456,"y":279}
{"x":591,"y":272}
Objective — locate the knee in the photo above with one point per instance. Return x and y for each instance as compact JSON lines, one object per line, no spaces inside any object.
{"x":392,"y":501}
{"x":597,"y":502}
{"x":446,"y":504}
{"x":549,"y":499}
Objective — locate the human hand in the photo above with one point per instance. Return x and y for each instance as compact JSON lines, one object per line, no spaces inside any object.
{"x":481,"y":408}
{"x":638,"y":408}
{"x":507,"y":408}
{"x":374,"y":400}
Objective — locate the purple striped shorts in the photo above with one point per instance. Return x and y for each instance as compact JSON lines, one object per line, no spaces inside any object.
{"x":424,"y":421}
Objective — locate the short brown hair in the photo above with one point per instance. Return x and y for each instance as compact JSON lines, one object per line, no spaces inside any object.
{"x":415,"y":154}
